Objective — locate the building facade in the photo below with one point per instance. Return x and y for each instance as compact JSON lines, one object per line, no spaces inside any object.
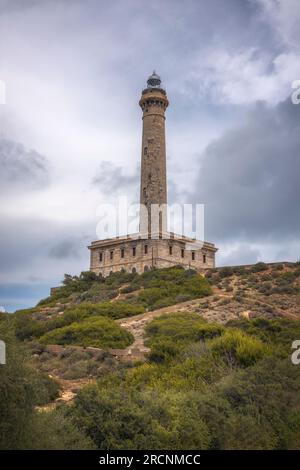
{"x":153,"y":246}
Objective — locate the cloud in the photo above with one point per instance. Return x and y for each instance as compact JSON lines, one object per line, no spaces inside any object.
{"x":250,"y":177}
{"x":111,"y":178}
{"x":239,"y":253}
{"x":284,"y":17}
{"x":243,"y":77}
{"x":21,"y":168}
{"x":32,"y":249}
{"x":65,"y":249}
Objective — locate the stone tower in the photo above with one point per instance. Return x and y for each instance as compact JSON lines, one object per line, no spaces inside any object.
{"x":154,"y":103}
{"x":153,"y":246}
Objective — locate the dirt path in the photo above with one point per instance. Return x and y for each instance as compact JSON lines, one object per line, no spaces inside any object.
{"x":136,"y":325}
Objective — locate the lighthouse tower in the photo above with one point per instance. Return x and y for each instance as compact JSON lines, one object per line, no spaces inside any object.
{"x":154,"y":103}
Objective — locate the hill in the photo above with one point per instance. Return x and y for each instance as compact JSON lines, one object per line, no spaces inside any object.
{"x":182,"y":360}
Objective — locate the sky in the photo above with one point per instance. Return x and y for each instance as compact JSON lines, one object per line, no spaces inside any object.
{"x":70,"y":127}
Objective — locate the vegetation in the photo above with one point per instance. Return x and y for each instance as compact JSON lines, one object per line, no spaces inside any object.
{"x":156,"y":288}
{"x":21,"y":390}
{"x":77,"y":302}
{"x":27,"y":327}
{"x":203,"y":385}
{"x":96,"y":332}
{"x":193,"y":396}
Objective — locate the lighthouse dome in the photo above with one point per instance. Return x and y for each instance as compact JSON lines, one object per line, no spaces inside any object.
{"x":154,"y":81}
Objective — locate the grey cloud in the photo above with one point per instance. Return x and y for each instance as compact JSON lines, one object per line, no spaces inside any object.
{"x":43,"y":249}
{"x":65,"y":249}
{"x":112,"y":179}
{"x":21,"y":168}
{"x":7,"y":6}
{"x":241,"y":254}
{"x":249,"y":179}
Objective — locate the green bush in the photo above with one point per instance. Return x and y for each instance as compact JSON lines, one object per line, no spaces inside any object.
{"x":182,"y":327}
{"x":169,"y":286}
{"x":138,"y":420}
{"x":163,"y":350}
{"x":239,"y":348}
{"x":21,"y":390}
{"x":168,"y":335}
{"x":45,"y":388}
{"x":259,"y":267}
{"x":227,"y":271}
{"x":99,"y":332}
{"x":25,"y":326}
{"x":277,"y":332}
{"x":28,"y":328}
{"x":171,"y":282}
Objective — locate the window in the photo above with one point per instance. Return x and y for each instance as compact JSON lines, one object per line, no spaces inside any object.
{"x":193,"y":256}
{"x":170,"y":250}
{"x":134,"y":251}
{"x":101,"y":257}
{"x":146,"y":249}
{"x":133,"y":270}
{"x":146,"y":269}
{"x":204,"y":258}
{"x":111,"y":255}
{"x":145,"y":150}
{"x":182,"y":253}
{"x":122,"y":252}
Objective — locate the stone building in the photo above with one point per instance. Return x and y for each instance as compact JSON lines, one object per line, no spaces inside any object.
{"x":153,"y":246}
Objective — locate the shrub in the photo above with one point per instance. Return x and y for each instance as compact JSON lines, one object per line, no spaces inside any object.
{"x":163,"y":349}
{"x":76,"y":371}
{"x":226,"y":271}
{"x":45,"y":388}
{"x":97,"y":332}
{"x":258,"y":267}
{"x":169,"y":334}
{"x":113,"y":310}
{"x":239,"y":348}
{"x":26,"y":327}
{"x":185,"y":327}
{"x":139,"y":420}
{"x":168,"y":285}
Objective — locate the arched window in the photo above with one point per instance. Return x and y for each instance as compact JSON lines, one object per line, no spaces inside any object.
{"x":146,"y":269}
{"x":145,"y":150}
{"x":133,"y":270}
